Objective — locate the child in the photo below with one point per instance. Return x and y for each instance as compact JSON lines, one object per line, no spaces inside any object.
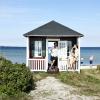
{"x":91,"y":60}
{"x":82,"y":60}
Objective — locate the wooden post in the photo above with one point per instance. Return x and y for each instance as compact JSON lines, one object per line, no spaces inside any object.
{"x":46,"y":59}
{"x":27,"y":51}
{"x":58,"y":55}
{"x":79,"y":54}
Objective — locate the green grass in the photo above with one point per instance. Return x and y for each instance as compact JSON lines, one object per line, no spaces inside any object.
{"x":39,"y":76}
{"x":87,"y":82}
{"x":20,"y":97}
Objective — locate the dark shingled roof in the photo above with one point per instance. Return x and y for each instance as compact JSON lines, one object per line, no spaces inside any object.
{"x":53,"y":29}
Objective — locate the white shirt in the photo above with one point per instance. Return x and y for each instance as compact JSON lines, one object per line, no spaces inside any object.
{"x":54,"y":52}
{"x":91,"y":58}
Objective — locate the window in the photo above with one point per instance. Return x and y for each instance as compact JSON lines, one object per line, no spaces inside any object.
{"x":63,"y":49}
{"x":38,"y":49}
{"x":69,"y":46}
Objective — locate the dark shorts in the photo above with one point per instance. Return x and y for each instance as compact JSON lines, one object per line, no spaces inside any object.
{"x":53,"y":58}
{"x":81,"y":62}
{"x":91,"y":62}
{"x":56,"y":60}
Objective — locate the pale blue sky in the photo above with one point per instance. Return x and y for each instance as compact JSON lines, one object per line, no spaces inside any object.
{"x":20,"y":16}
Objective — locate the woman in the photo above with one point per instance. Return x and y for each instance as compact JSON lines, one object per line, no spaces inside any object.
{"x":72,"y":59}
{"x":76,"y":52}
{"x":76,"y":56}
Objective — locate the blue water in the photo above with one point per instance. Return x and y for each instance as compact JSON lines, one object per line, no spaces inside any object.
{"x":86,"y":52}
{"x":15,"y":54}
{"x":18,"y":54}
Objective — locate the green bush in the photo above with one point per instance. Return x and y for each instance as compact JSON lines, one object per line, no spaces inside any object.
{"x":14,"y":78}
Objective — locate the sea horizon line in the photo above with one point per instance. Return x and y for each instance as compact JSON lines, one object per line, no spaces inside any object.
{"x":80,"y":46}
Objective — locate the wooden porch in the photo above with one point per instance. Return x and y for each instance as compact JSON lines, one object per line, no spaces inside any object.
{"x":41,"y":65}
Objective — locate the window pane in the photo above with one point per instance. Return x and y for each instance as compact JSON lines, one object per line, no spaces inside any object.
{"x":69,"y":47}
{"x":38,"y":49}
{"x":63,"y":49}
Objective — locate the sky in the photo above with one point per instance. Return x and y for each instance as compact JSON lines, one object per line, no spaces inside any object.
{"x":20,"y":16}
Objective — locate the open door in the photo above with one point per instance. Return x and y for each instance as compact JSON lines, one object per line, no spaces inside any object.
{"x":62,"y":57}
{"x":52,"y":56}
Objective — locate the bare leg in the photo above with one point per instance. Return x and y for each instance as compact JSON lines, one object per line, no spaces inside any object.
{"x":52,"y":62}
{"x":68,"y":66}
{"x":71,"y":65}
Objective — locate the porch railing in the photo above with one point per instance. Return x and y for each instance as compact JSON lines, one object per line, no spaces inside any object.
{"x":65,"y":66}
{"x":37,"y":64}
{"x":40,"y":65}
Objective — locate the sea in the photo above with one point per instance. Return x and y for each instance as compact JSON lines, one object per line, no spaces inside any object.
{"x":18,"y":54}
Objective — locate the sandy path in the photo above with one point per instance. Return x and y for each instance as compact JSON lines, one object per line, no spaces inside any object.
{"x":52,"y":89}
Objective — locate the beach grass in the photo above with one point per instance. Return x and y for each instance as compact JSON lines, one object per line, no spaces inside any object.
{"x":37,"y":76}
{"x":87,"y":82}
{"x":20,"y":97}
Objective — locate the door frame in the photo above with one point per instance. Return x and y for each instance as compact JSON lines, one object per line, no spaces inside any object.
{"x":48,"y":40}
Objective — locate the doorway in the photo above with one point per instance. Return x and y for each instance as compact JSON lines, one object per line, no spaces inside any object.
{"x":52,"y":55}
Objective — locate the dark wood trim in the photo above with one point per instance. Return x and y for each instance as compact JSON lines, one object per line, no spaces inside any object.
{"x":68,"y":38}
{"x":36,"y":38}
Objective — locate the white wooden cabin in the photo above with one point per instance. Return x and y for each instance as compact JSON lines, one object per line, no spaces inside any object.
{"x":41,"y":39}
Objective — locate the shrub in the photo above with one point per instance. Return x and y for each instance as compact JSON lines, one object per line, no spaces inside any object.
{"x":14,"y":78}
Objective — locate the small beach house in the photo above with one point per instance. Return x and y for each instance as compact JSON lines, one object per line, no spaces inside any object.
{"x":40,"y":40}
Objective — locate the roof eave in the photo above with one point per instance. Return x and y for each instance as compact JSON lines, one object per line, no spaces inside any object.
{"x":54,"y":35}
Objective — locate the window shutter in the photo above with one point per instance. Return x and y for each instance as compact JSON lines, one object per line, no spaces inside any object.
{"x":43,"y":48}
{"x":32,"y":48}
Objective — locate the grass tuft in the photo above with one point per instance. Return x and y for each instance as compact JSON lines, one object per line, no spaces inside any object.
{"x":86,"y":82}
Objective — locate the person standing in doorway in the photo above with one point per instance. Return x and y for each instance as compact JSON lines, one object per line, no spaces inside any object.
{"x":54,"y":55}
